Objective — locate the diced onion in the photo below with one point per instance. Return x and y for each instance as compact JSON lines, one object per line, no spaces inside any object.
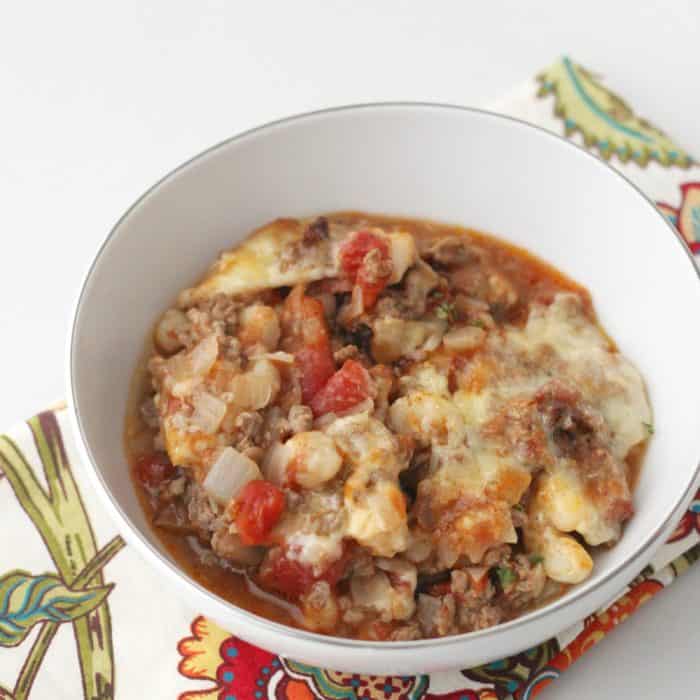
{"x":186,"y":370}
{"x":274,"y":465}
{"x":256,"y":388}
{"x":281,"y":358}
{"x":172,"y":323}
{"x":353,"y":309}
{"x":204,"y":354}
{"x":373,"y":592}
{"x":402,"y":249}
{"x":394,"y":338}
{"x":229,"y":474}
{"x":209,"y":411}
{"x":464,"y":338}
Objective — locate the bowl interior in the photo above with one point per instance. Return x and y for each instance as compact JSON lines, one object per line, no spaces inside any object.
{"x":448,"y":164}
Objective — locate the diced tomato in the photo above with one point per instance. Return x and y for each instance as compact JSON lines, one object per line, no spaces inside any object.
{"x":353,"y":252}
{"x":293,"y":579}
{"x":316,"y":366}
{"x":352,"y":256}
{"x":259,"y":507}
{"x":347,"y":387}
{"x":153,"y":469}
{"x":308,"y":337}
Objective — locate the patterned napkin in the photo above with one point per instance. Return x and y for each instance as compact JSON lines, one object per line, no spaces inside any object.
{"x":81,"y":616}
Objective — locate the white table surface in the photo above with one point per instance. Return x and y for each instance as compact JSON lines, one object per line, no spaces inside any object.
{"x":99,"y":100}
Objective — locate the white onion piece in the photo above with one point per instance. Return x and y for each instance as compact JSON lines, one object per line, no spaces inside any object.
{"x":171,"y":325}
{"x":404,"y":572}
{"x":256,"y":388}
{"x":279,"y":357}
{"x":229,"y":474}
{"x":354,"y":308}
{"x":209,"y":411}
{"x":403,"y":253}
{"x":464,"y":338}
{"x":187,"y":370}
{"x":275,"y":463}
{"x":394,"y":338}
{"x":373,"y":592}
{"x":204,"y":354}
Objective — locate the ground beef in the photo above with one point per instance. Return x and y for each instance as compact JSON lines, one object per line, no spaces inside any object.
{"x":451,"y":250}
{"x":200,"y":510}
{"x":316,"y":231}
{"x":389,"y":306}
{"x":223,"y":308}
{"x":436,"y":614}
{"x":248,"y":430}
{"x":149,"y":413}
{"x":319,"y":595}
{"x":406,"y":633}
{"x":276,"y":427}
{"x":470,"y":619}
{"x":346,"y":352}
{"x":202,"y":324}
{"x":519,"y":429}
{"x":300,"y":418}
{"x":419,"y":282}
{"x":581,"y":434}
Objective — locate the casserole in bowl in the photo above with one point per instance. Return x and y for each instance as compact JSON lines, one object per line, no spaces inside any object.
{"x":442,"y":163}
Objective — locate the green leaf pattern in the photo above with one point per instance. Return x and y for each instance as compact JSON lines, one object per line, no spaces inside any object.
{"x":27,"y":600}
{"x":605,"y":121}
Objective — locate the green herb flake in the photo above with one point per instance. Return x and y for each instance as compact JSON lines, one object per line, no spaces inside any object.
{"x":520,"y":507}
{"x":506,"y":576}
{"x":536,"y":559}
{"x":446,"y":311}
{"x":649,"y":427}
{"x":478,"y":323}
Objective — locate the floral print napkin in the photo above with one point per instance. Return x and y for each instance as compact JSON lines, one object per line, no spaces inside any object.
{"x":82,"y":616}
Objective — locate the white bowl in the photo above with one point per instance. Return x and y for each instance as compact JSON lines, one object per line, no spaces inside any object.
{"x":449,"y":164}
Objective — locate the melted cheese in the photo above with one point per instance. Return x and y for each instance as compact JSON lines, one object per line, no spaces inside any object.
{"x":315,"y":550}
{"x":605,"y":378}
{"x":568,"y":508}
{"x":258,"y":263}
{"x":558,"y":341}
{"x":264,"y":260}
{"x":428,"y":418}
{"x":375,"y":506}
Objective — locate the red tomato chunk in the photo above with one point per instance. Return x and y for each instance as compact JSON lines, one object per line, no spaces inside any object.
{"x":352,"y":261}
{"x":293,"y":579}
{"x":259,"y":507}
{"x":153,"y":469}
{"x":346,"y":388}
{"x":353,"y":252}
{"x":307,"y":325}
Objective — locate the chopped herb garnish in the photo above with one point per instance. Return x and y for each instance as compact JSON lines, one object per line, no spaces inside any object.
{"x":536,"y":559}
{"x":649,"y":427}
{"x":519,"y":506}
{"x":478,"y":323}
{"x":506,"y":576}
{"x":446,"y":311}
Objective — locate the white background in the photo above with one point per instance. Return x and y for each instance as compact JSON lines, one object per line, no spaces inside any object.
{"x":99,"y":100}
